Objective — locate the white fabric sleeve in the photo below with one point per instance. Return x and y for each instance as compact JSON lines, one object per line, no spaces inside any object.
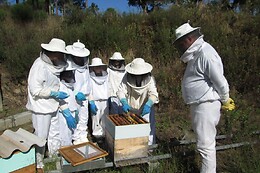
{"x":153,"y":94}
{"x":214,"y":71}
{"x":36,"y":82}
{"x":122,"y":89}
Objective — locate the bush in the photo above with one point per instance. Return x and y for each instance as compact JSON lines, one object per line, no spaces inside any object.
{"x":22,"y":12}
{"x":39,"y":15}
{"x":73,"y":15}
{"x":3,"y":15}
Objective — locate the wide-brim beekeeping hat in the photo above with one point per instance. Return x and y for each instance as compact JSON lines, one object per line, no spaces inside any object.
{"x":184,"y":30}
{"x":138,"y":67}
{"x":78,"y":49}
{"x":55,"y":45}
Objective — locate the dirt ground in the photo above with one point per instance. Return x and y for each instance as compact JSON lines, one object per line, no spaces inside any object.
{"x":14,"y":95}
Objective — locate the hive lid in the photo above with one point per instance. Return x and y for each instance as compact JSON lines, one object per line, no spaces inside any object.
{"x":21,"y":140}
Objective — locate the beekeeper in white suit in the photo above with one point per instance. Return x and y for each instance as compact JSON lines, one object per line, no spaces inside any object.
{"x":82,"y":88}
{"x":138,"y":93}
{"x":64,"y":124}
{"x":99,"y":105}
{"x":204,"y":88}
{"x":43,"y":90}
{"x":116,"y":72}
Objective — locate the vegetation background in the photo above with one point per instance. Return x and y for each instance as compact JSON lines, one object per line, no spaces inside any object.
{"x":235,"y":35}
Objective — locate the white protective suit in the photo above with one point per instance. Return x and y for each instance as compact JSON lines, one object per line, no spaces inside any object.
{"x":203,"y":87}
{"x":137,"y":97}
{"x":60,"y":134}
{"x":83,"y":85}
{"x":42,"y":80}
{"x":114,"y":79}
{"x":100,"y":97}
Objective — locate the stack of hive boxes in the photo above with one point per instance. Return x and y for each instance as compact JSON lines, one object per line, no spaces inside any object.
{"x":127,"y":136}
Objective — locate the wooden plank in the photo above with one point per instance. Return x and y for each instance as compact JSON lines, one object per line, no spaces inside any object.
{"x":129,"y":148}
{"x":27,"y":169}
{"x":135,"y":161}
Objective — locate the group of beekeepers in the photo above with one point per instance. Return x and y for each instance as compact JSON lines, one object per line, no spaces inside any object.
{"x":64,"y":90}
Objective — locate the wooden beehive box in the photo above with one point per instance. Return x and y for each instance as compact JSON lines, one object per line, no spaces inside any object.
{"x":127,"y":141}
{"x":17,"y":151}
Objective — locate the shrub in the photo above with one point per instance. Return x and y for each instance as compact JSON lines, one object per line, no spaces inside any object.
{"x":3,"y":15}
{"x":22,"y":12}
{"x":73,"y":15}
{"x":39,"y":15}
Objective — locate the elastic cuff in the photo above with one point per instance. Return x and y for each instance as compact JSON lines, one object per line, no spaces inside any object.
{"x":224,"y":98}
{"x":63,"y":107}
{"x":153,"y":98}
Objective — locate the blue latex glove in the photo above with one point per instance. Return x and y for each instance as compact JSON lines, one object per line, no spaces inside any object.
{"x":77,"y":116}
{"x":71,"y":122}
{"x":59,"y":95}
{"x":147,"y":107}
{"x":80,"y":96}
{"x":93,"y":107}
{"x":126,"y":108}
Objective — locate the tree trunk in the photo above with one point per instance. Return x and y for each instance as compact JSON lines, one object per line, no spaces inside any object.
{"x":86,"y":4}
{"x":47,"y":4}
{"x":56,"y":8}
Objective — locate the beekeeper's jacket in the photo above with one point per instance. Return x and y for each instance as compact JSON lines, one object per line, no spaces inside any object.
{"x":82,"y":78}
{"x":203,"y":78}
{"x":137,"y":96}
{"x":99,"y":86}
{"x":114,"y":78}
{"x":42,"y":80}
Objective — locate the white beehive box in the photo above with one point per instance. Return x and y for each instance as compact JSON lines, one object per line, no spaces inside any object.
{"x":127,"y":141}
{"x":17,"y":151}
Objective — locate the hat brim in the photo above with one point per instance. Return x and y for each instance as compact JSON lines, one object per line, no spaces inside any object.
{"x":52,"y":49}
{"x":194,"y":29}
{"x":146,"y":69}
{"x":84,"y":53}
{"x":102,"y":65}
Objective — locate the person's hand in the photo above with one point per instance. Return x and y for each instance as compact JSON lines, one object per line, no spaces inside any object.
{"x":126,"y":108}
{"x":80,"y":96}
{"x":93,"y":107}
{"x":147,"y":107}
{"x":71,"y":122}
{"x":59,"y":95}
{"x":229,"y":105}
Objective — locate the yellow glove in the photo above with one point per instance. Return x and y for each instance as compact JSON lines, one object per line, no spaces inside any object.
{"x":229,"y":105}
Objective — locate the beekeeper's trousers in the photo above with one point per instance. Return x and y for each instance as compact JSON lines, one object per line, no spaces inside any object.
{"x":98,"y":124}
{"x":151,"y":119}
{"x":205,"y":117}
{"x":81,"y":132}
{"x":41,"y":125}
